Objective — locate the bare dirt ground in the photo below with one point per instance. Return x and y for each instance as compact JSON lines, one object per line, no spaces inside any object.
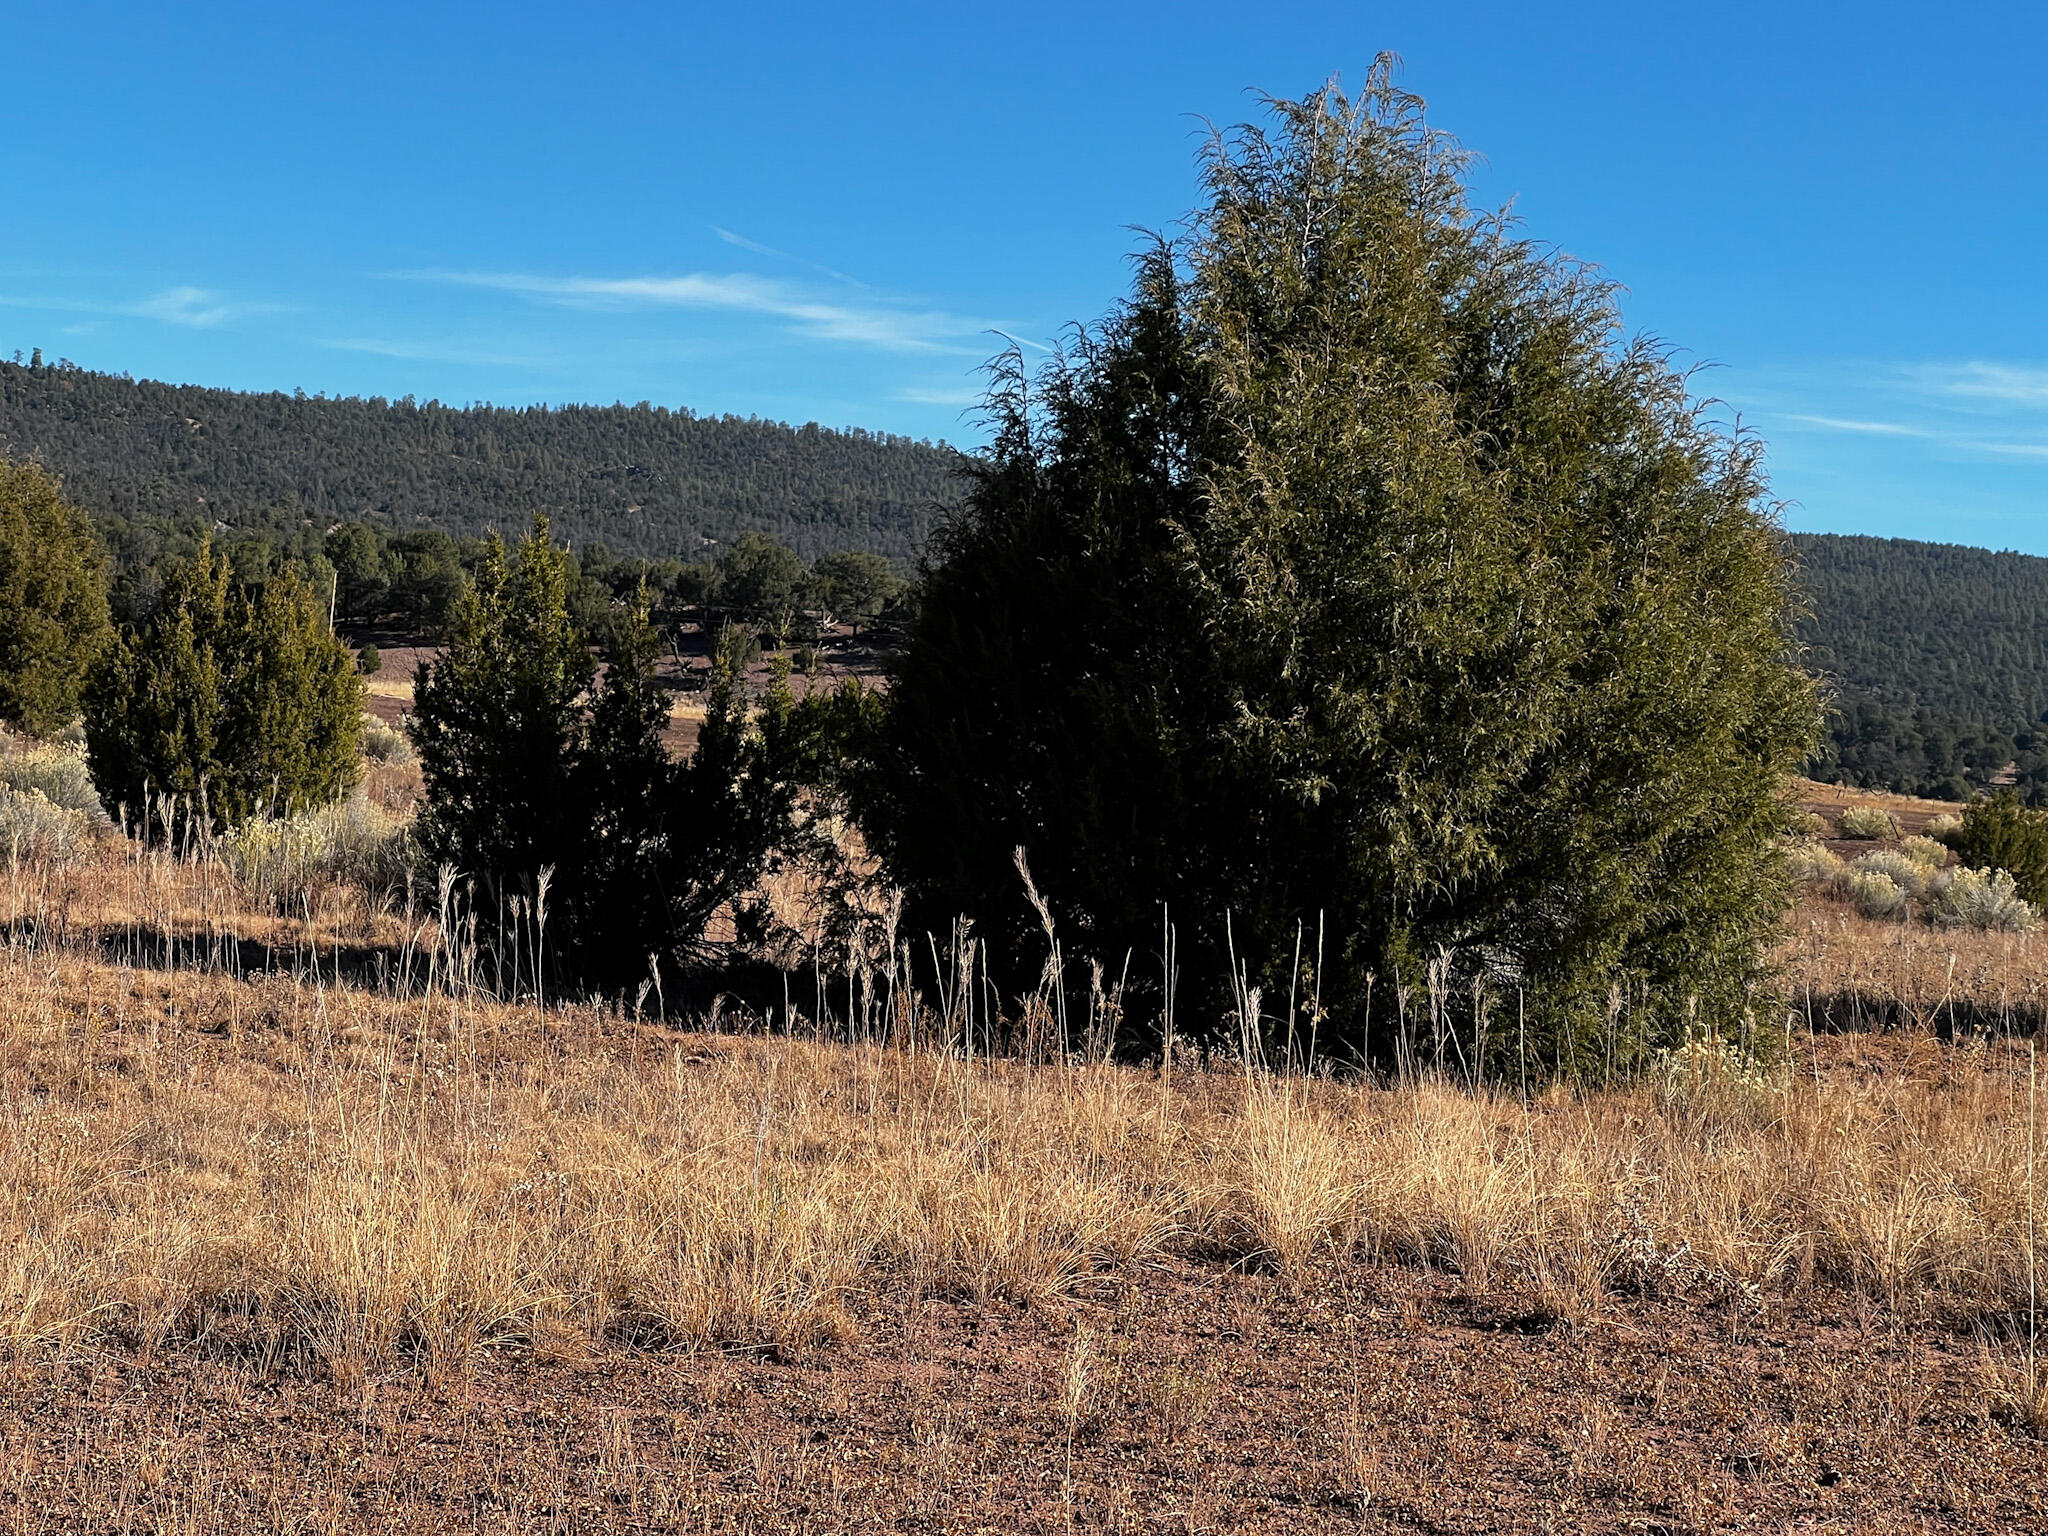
{"x":1178,"y":1400}
{"x":1184,"y":1392}
{"x":1828,"y":801}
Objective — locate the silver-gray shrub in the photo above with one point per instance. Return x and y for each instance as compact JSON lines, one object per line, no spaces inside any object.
{"x":1924,"y":850}
{"x":1901,"y":868}
{"x":1982,"y":898}
{"x":34,"y":829}
{"x":385,"y":744}
{"x":56,"y":773}
{"x":283,"y":859}
{"x":1875,"y":894}
{"x":1869,"y":822}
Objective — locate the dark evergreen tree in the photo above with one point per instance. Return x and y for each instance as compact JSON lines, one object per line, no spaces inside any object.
{"x":498,"y":722}
{"x":53,"y":601}
{"x":535,"y":765}
{"x":761,"y":583}
{"x":228,"y":701}
{"x":1388,"y":594}
{"x":854,"y":586}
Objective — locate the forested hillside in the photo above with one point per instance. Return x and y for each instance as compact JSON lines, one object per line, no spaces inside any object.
{"x":643,"y":480}
{"x":1939,"y":657}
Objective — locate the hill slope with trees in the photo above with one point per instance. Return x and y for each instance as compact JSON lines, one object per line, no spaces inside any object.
{"x":1938,"y":656}
{"x":643,"y":480}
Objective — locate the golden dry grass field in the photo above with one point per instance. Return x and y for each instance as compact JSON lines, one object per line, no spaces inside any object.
{"x":282,"y":1249}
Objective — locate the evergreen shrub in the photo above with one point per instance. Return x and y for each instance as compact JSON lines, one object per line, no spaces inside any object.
{"x":53,"y":601}
{"x":1361,"y":606}
{"x":225,"y":702}
{"x":1998,"y":832}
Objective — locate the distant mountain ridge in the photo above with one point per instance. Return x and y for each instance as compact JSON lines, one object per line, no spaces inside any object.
{"x":643,"y":480}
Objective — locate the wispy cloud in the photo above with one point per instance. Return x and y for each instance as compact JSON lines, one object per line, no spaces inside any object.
{"x":872,"y":323}
{"x":1969,"y":409}
{"x":197,"y":308}
{"x":432,"y":352}
{"x":768,"y":250}
{"x":2000,"y":382}
{"x":961,"y":395}
{"x":1878,"y":428}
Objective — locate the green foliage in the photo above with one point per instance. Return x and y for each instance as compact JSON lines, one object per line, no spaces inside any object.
{"x":369,"y":661}
{"x":230,"y":701}
{"x":498,"y":719}
{"x":1356,"y":579}
{"x":763,"y":584}
{"x":855,"y":585}
{"x":1998,"y":832}
{"x":1938,"y":659}
{"x":530,"y":770}
{"x":53,"y":601}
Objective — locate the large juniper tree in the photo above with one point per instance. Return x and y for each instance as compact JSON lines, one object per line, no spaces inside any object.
{"x":1360,"y":578}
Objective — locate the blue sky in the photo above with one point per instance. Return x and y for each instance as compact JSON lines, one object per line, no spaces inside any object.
{"x":829,"y":212}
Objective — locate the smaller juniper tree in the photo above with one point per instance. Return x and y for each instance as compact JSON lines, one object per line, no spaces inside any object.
{"x":227,"y":701}
{"x":536,"y":761}
{"x":53,"y":601}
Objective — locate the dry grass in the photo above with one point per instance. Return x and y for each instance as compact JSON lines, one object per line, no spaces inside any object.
{"x":1845,"y":971}
{"x":246,"y":1155}
{"x":361,"y":1177}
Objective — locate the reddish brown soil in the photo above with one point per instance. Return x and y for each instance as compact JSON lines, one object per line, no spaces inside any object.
{"x":1212,"y":1401}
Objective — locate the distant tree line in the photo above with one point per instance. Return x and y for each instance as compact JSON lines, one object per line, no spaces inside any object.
{"x":414,"y":582}
{"x":643,"y":480}
{"x":1937,"y":657}
{"x":411,"y":581}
